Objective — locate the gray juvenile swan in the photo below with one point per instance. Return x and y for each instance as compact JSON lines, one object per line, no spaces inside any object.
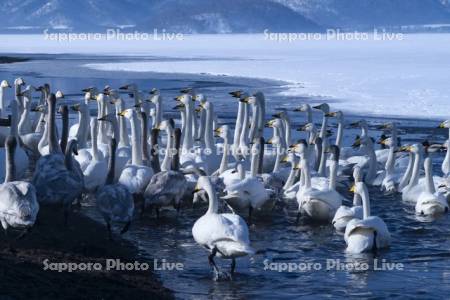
{"x":114,"y":201}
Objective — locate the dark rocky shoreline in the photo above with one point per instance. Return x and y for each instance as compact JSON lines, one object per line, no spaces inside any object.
{"x":22,"y":273}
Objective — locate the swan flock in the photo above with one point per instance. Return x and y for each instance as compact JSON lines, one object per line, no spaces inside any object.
{"x":124,"y":154}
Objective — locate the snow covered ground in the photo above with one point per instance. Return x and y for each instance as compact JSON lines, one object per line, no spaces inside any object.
{"x":408,"y":77}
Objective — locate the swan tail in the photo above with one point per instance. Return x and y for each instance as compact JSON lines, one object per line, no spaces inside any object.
{"x":229,"y":248}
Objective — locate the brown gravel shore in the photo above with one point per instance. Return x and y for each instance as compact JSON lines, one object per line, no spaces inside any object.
{"x":22,"y":273}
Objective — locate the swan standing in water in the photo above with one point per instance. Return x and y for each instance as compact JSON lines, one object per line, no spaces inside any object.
{"x":319,"y":204}
{"x":96,"y":168}
{"x":344,"y":214}
{"x":135,"y":176}
{"x":113,"y":200}
{"x":224,"y":235}
{"x":250,"y":193}
{"x":18,"y":202}
{"x":446,"y":162}
{"x":368,"y":234}
{"x":430,"y":201}
{"x":57,"y":177}
{"x":167,"y":188}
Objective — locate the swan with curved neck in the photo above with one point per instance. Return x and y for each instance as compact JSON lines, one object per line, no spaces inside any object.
{"x":345,"y":214}
{"x":156,"y":99}
{"x":224,"y":235}
{"x":430,"y":202}
{"x":19,"y":206}
{"x":250,"y":193}
{"x":368,"y":234}
{"x":318,"y":204}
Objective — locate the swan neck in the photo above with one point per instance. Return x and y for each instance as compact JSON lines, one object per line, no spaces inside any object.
{"x":111,"y":162}
{"x":365,"y":201}
{"x":94,"y":132}
{"x":10,"y":168}
{"x":54,"y":148}
{"x":333,"y":175}
{"x":136,"y":153}
{"x":429,"y":175}
{"x":224,"y":161}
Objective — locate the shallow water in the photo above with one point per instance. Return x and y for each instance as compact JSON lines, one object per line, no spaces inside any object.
{"x":422,"y":246}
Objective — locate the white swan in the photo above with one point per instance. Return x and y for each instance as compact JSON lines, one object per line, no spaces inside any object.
{"x":430,"y":201}
{"x":344,"y":214}
{"x":250,"y":192}
{"x":30,"y":140}
{"x":368,"y":234}
{"x":96,"y":168}
{"x":224,"y":235}
{"x":18,"y":205}
{"x":319,"y":204}
{"x":135,"y":176}
{"x":113,"y":200}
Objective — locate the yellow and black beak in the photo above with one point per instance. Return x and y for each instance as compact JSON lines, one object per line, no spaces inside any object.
{"x":121,"y":114}
{"x":245,"y":100}
{"x":331,"y":114}
{"x":75,"y":107}
{"x":353,"y":188}
{"x":178,"y":98}
{"x":196,"y":189}
{"x":442,"y":125}
{"x":236,"y":94}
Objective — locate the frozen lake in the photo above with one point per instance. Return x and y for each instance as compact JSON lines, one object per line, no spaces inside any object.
{"x":402,"y":77}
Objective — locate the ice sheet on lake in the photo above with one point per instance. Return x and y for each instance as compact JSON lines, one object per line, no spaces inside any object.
{"x":408,"y":77}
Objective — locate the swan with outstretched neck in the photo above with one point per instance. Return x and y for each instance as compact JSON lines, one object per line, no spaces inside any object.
{"x":18,"y":206}
{"x":113,"y":200}
{"x":368,"y":234}
{"x":57,"y":177}
{"x":223,"y":235}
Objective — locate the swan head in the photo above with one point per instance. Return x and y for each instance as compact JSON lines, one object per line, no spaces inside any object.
{"x":281,"y":115}
{"x":185,"y":98}
{"x":334,"y":151}
{"x":27,"y":92}
{"x":200,"y":98}
{"x":275,"y":140}
{"x":164,"y":125}
{"x":111,"y":117}
{"x":336,"y":114}
{"x":386,"y":141}
{"x":236,"y":94}
{"x":127,"y":113}
{"x":202,"y":183}
{"x":299,"y":147}
{"x":154,"y":91}
{"x":92,"y":89}
{"x":360,"y":123}
{"x":129,"y":87}
{"x":180,"y":106}
{"x":324,"y":107}
{"x":414,"y":148}
{"x":59,"y":95}
{"x":358,"y":188}
{"x":310,"y":127}
{"x":249,"y":100}
{"x":303,"y":108}
{"x":19,"y":81}
{"x":274,"y":123}
{"x":5,"y":84}
{"x":445,"y":124}
{"x":223,"y":132}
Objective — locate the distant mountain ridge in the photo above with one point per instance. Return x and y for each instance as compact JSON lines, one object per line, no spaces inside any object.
{"x":214,"y":16}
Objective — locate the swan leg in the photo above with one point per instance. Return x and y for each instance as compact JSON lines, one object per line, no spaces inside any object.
{"x":233,"y":266}
{"x":213,"y":264}
{"x":126,"y":227}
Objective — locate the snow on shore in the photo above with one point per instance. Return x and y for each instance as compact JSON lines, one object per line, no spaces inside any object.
{"x":408,"y":77}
